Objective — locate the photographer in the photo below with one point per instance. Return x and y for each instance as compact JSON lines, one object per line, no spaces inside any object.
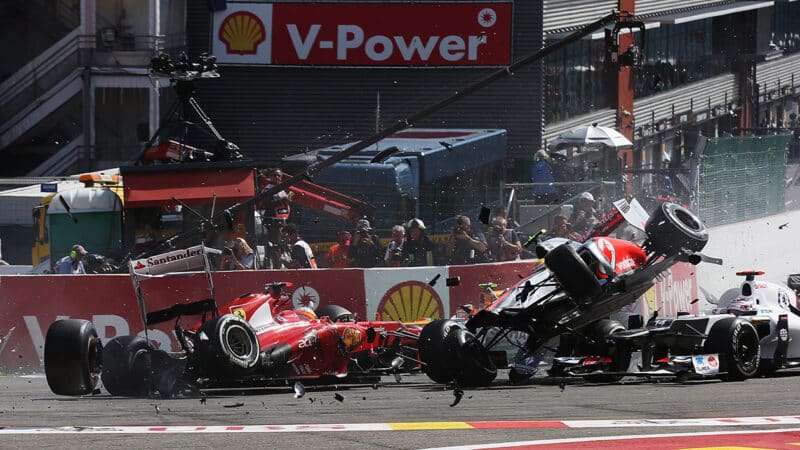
{"x":365,"y":250}
{"x":466,"y":247}
{"x":418,"y":249}
{"x":504,"y":244}
{"x":394,"y":251}
{"x":239,"y":256}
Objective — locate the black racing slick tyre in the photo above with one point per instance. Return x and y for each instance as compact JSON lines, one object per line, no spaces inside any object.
{"x":600,"y":332}
{"x":434,"y":351}
{"x":72,"y":357}
{"x":126,"y":366}
{"x":336,"y":313}
{"x":673,"y":227}
{"x":227,"y":346}
{"x":572,"y":272}
{"x":620,"y":354}
{"x":736,"y":342}
{"x":450,"y":352}
{"x":473,"y":367}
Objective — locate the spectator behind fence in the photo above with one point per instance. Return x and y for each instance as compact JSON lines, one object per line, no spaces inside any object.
{"x":394,"y":251}
{"x":365,"y":250}
{"x":300,"y":255}
{"x":560,"y":228}
{"x":504,"y":244}
{"x":418,"y":249}
{"x":502,"y":212}
{"x":239,"y":256}
{"x":466,"y":245}
{"x":338,"y":255}
{"x":585,"y":215}
{"x":74,"y":262}
{"x":541,"y":173}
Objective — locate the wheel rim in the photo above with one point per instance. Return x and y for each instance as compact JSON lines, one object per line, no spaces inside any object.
{"x":687,"y":219}
{"x":748,"y":353}
{"x":238,"y":341}
{"x":94,"y":357}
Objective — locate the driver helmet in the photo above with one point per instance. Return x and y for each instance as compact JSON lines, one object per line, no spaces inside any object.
{"x":306,"y":313}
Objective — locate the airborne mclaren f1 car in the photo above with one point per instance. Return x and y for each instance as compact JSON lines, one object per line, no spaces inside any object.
{"x":572,"y":293}
{"x":255,"y":340}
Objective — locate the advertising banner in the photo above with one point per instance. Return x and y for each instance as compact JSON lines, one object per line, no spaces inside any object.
{"x":32,"y":302}
{"x":363,"y":34}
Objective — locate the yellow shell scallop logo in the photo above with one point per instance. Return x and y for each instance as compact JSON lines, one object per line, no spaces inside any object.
{"x":242,"y":32}
{"x":410,"y":301}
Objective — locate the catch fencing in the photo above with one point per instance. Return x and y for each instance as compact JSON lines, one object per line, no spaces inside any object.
{"x":741,"y":178}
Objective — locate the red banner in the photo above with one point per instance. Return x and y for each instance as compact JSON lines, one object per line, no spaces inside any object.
{"x":361,"y":34}
{"x":32,"y":302}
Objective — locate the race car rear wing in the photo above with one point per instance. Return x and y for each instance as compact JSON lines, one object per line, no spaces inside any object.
{"x":166,"y":265}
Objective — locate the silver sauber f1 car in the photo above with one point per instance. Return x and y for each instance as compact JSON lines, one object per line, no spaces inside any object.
{"x":749,"y":331}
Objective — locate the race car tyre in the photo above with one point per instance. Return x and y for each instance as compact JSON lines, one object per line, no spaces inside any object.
{"x":434,"y":350}
{"x":600,"y":331}
{"x":672,"y":228}
{"x":227,"y":346}
{"x":572,"y":272}
{"x":126,"y":366}
{"x":473,"y":367}
{"x":619,"y":353}
{"x":736,"y":341}
{"x":336,"y":313}
{"x":72,"y":357}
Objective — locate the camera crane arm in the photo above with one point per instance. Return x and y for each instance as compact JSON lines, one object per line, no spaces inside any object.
{"x":400,"y":125}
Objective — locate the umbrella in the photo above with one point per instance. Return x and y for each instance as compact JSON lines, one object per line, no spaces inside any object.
{"x":592,"y":135}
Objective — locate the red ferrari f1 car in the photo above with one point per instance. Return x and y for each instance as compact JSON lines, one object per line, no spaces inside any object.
{"x":579,"y":285}
{"x":257,"y":339}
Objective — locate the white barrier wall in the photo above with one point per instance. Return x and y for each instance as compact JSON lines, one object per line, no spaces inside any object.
{"x":770,"y":244}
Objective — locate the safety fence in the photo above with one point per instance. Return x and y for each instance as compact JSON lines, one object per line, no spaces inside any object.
{"x":742,"y":178}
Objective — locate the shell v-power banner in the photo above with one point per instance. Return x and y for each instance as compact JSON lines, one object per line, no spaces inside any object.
{"x":363,"y":34}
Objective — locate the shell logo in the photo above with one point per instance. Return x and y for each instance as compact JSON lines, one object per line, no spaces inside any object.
{"x":410,"y":301}
{"x":242,"y":32}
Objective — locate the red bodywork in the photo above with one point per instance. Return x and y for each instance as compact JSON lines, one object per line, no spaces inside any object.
{"x":607,"y":257}
{"x":614,"y":256}
{"x":319,"y":347}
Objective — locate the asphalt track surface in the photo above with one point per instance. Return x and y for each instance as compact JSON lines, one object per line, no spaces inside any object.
{"x":412,"y":414}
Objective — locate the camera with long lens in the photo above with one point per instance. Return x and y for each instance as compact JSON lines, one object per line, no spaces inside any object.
{"x":184,"y":69}
{"x":227,"y":251}
{"x":397,"y":254}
